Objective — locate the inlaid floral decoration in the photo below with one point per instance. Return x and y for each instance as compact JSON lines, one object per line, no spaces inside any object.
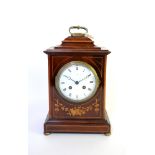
{"x":76,"y":110}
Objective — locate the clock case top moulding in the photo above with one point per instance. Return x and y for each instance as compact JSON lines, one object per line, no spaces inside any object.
{"x":88,"y":117}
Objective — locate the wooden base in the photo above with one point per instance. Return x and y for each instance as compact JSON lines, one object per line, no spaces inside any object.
{"x":77,"y":126}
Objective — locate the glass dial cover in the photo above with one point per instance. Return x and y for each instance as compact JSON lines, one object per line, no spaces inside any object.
{"x":77,"y":81}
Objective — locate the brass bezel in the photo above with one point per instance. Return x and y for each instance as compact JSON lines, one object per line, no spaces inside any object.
{"x":57,"y":79}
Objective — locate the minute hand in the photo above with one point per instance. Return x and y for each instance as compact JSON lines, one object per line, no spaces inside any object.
{"x":85,"y":78}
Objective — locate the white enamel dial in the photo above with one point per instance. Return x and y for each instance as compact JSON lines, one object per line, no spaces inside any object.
{"x":77,"y":81}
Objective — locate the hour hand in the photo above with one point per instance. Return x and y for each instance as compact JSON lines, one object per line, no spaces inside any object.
{"x":69,"y":78}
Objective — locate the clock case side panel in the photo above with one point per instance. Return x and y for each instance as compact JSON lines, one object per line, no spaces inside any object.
{"x":104,"y":81}
{"x":50,"y":85}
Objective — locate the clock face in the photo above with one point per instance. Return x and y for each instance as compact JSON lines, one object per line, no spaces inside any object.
{"x":77,"y":81}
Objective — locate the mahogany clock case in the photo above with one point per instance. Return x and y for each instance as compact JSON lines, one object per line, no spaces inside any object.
{"x":89,"y":116}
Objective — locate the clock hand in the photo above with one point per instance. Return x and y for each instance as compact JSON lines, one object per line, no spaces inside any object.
{"x":69,"y":78}
{"x":84,"y":78}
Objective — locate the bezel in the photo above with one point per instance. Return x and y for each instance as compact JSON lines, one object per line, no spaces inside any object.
{"x":57,"y":79}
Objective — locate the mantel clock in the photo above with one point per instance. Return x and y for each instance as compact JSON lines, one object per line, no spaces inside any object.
{"x":77,"y":86}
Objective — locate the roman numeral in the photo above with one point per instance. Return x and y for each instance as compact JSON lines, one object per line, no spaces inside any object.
{"x":91,"y":81}
{"x":76,"y":67}
{"x":89,"y":89}
{"x":62,"y":82}
{"x":77,"y":96}
{"x":69,"y":70}
{"x":70,"y":94}
{"x":64,"y":89}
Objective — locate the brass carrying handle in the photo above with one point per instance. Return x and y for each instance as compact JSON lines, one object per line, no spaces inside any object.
{"x":78,"y":27}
